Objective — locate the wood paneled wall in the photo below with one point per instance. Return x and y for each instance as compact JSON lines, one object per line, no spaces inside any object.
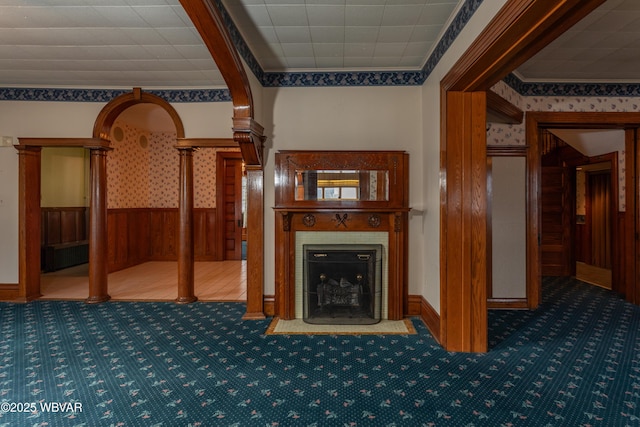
{"x":149,"y":234}
{"x":63,"y":225}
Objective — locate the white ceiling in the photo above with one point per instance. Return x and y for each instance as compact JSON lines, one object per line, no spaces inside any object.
{"x":603,"y":47}
{"x":592,"y":142}
{"x":341,"y":34}
{"x":152,"y":43}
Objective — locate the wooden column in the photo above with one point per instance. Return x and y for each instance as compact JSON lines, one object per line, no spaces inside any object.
{"x":98,"y":272}
{"x":185,"y":233}
{"x":255,"y":243}
{"x":29,"y":231}
{"x":463,"y":261}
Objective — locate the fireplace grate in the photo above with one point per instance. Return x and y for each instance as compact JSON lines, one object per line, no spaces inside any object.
{"x":342,"y":284}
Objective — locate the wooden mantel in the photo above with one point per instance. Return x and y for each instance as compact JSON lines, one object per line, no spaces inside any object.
{"x":381,"y":206}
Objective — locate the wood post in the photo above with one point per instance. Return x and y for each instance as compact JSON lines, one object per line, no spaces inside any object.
{"x":98,"y":271}
{"x":186,"y":257}
{"x":255,"y":243}
{"x":29,"y":231}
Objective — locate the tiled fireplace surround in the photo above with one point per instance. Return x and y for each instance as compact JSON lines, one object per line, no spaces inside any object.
{"x":303,"y":222}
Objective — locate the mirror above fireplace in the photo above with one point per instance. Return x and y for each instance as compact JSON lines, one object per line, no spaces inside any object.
{"x":332,"y":185}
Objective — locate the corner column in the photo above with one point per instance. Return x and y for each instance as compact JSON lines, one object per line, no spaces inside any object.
{"x":186,"y":258}
{"x":29,"y":231}
{"x":98,"y":267}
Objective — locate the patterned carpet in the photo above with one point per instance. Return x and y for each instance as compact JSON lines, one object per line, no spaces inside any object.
{"x":573,"y":362}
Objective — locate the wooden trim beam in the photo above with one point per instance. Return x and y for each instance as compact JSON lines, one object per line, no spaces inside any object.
{"x":111,"y":111}
{"x":499,"y":110}
{"x":207,"y":143}
{"x":519,"y":31}
{"x":207,"y":19}
{"x":64,"y":142}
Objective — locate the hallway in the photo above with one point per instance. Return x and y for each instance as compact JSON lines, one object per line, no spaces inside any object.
{"x":152,"y":281}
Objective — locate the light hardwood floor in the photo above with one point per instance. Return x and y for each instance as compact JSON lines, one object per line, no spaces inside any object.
{"x":594,"y":275}
{"x":152,"y":281}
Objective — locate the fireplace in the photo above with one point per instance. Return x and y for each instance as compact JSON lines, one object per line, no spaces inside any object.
{"x":342,"y":284}
{"x":325,"y":201}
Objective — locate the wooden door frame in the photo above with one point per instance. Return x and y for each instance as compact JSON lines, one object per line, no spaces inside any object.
{"x":612,"y":158}
{"x":29,"y":175}
{"x":594,"y":120}
{"x":221,"y":157}
{"x":516,"y":33}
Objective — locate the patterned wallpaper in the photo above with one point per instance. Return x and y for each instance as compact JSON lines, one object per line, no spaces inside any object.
{"x":502,"y":134}
{"x":143,"y":170}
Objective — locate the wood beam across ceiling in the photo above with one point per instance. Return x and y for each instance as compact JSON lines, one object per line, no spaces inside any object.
{"x":519,"y":31}
{"x":207,"y":18}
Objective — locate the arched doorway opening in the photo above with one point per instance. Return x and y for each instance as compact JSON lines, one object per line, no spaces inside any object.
{"x":100,"y":254}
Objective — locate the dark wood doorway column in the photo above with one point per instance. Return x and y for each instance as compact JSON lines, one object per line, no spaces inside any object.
{"x":517,"y":32}
{"x":98,"y":267}
{"x":186,"y":291}
{"x":29,"y":229}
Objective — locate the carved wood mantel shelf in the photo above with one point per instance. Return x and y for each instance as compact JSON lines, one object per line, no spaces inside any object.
{"x":341,"y":191}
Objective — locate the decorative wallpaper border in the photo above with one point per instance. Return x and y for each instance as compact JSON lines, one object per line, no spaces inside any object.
{"x":572,"y":89}
{"x":106,"y":95}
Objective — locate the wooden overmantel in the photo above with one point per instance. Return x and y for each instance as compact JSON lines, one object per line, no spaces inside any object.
{"x":382,"y":205}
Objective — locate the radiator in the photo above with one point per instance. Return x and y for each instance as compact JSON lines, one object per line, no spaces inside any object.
{"x":64,"y":255}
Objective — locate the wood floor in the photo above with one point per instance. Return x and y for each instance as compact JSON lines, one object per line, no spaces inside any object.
{"x":152,"y":281}
{"x":594,"y":275}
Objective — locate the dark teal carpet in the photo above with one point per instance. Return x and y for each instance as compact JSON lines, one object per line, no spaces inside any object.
{"x":573,"y":362}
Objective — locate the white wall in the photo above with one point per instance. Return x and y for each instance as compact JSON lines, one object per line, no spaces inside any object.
{"x":64,"y":178}
{"x":509,"y":227}
{"x":431,"y":177}
{"x":354,"y":118}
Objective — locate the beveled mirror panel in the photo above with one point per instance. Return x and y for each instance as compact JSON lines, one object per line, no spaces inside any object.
{"x":337,"y":185}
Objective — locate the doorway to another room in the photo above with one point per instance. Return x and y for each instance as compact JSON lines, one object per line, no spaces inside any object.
{"x":142,"y":216}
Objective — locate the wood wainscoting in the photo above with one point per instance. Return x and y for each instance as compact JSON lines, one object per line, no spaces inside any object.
{"x":63,"y":239}
{"x":151,"y":234}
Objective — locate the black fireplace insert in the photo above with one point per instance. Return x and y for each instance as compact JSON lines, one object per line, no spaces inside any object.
{"x":342,"y":284}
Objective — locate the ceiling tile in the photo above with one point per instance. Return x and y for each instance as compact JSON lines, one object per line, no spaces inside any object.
{"x":291,"y":15}
{"x":293,"y":34}
{"x":328,"y":49}
{"x":363,"y":15}
{"x":326,"y":15}
{"x":257,"y":15}
{"x":297,"y":50}
{"x":329,"y":62}
{"x":308,"y":62}
{"x":361,"y":34}
{"x":389,"y":50}
{"x":401,"y":15}
{"x":359,"y":50}
{"x":394,"y":34}
{"x":436,"y":14}
{"x":327,"y":34}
